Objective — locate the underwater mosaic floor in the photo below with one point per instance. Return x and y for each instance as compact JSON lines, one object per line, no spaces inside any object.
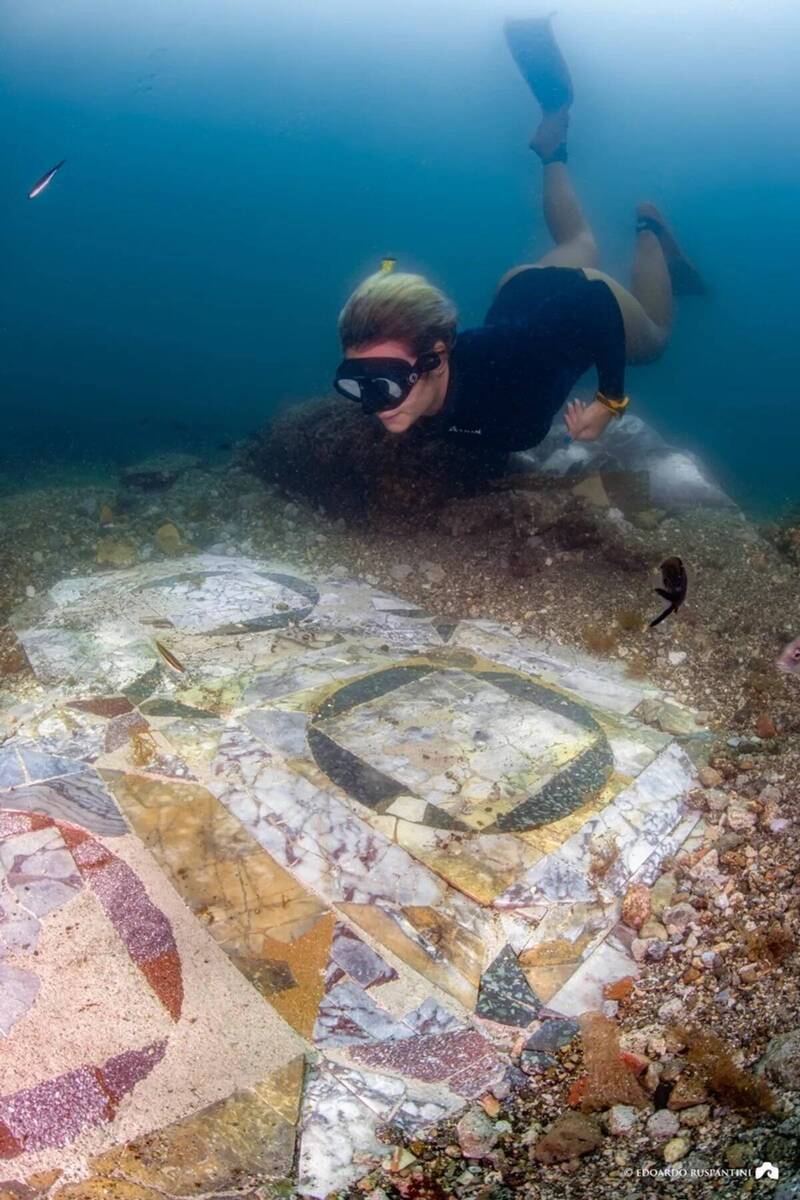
{"x":313,"y":883}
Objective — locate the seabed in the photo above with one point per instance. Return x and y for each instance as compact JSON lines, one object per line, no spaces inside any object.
{"x":313,"y":884}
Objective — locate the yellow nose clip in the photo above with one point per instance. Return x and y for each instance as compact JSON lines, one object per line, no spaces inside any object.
{"x":388,"y":265}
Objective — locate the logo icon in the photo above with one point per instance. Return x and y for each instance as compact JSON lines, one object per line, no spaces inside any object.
{"x":768,"y":1169}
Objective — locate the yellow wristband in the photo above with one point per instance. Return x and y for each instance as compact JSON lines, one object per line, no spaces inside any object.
{"x":617,"y":406}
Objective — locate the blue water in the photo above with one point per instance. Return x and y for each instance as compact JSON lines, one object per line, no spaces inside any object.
{"x":234,"y":168}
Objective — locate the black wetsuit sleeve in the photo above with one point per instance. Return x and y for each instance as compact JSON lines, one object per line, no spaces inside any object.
{"x":605,"y":333}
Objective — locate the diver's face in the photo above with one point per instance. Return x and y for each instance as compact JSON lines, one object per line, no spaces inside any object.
{"x":427,"y":395}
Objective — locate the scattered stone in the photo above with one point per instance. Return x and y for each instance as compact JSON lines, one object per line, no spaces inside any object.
{"x":400,"y":571}
{"x":569,"y":1136}
{"x":552,"y":1034}
{"x":765,"y":727}
{"x":159,"y":472}
{"x":662,"y":892}
{"x":168,"y":539}
{"x":536,"y":1062}
{"x":670,"y":1010}
{"x":688,"y":1092}
{"x":663,"y":1125}
{"x":620,"y":989}
{"x":636,"y":906}
{"x":592,"y":489}
{"x":679,"y":917}
{"x":653,"y":930}
{"x":788,"y":1189}
{"x":622,"y":1120}
{"x":740,"y":819}
{"x":639,"y":947}
{"x":737,"y":1154}
{"x":116,"y":552}
{"x":476,"y":1134}
{"x":709,"y":777}
{"x":677,"y":658}
{"x":13,"y":659}
{"x":106,"y":514}
{"x":695,"y":1116}
{"x":433,"y":572}
{"x":781,"y":1061}
{"x":676,"y":1149}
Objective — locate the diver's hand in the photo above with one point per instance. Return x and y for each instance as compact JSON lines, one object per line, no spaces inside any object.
{"x":585,"y":422}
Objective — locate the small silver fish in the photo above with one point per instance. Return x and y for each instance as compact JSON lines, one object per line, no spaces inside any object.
{"x":42,"y":183}
{"x":789,"y":660}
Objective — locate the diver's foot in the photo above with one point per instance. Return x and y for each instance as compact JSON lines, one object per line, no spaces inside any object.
{"x":686,"y":279}
{"x":550,"y":139}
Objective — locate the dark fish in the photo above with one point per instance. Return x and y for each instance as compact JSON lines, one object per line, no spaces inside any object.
{"x":42,"y":183}
{"x":169,"y":658}
{"x":673,"y":576}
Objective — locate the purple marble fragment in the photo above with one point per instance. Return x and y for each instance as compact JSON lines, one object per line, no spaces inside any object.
{"x":358,"y":959}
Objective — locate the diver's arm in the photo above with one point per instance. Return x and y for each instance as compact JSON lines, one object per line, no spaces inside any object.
{"x":603,"y":333}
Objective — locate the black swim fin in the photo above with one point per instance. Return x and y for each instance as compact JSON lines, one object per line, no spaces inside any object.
{"x":536,"y":53}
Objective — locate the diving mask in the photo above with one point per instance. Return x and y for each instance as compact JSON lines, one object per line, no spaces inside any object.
{"x":378,"y":384}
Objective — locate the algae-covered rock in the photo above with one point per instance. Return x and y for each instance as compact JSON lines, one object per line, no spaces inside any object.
{"x":169,"y":540}
{"x":116,"y":552}
{"x":332,"y":454}
{"x":159,"y":472}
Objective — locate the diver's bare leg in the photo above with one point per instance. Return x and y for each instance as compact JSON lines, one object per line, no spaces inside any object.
{"x":574,"y":241}
{"x":645,"y":339}
{"x":575,"y":245}
{"x":650,"y":281}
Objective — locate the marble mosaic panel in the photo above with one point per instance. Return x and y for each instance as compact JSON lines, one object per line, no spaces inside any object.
{"x":398,"y":838}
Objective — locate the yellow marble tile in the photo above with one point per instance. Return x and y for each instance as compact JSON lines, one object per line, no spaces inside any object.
{"x":274,"y":931}
{"x":555,"y":951}
{"x":457,"y":975}
{"x":102,"y":1189}
{"x":547,"y":980}
{"x":230,"y":1144}
{"x":480,"y":866}
{"x":283,"y":1090}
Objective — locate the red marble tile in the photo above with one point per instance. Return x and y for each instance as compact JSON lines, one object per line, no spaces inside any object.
{"x":430,"y":1058}
{"x":12,"y":822}
{"x":121,"y":1073}
{"x":143,"y":928}
{"x":165,"y":977}
{"x":9,"y":1146}
{"x":72,"y":835}
{"x":40,"y":821}
{"x":54,"y":1113}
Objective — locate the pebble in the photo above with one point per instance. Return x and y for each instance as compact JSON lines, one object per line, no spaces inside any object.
{"x":636,"y":906}
{"x":781,"y":1061}
{"x":567,"y":1137}
{"x":676,"y":1149}
{"x":621,"y":1120}
{"x":740,"y":819}
{"x":709,"y":778}
{"x":401,"y":571}
{"x":765,"y":727}
{"x":552,"y":1035}
{"x":679,"y":916}
{"x":695,"y":1116}
{"x":476,"y":1134}
{"x":30,"y":591}
{"x":670,"y":1010}
{"x":536,"y":1062}
{"x":663,"y":1125}
{"x":677,"y":657}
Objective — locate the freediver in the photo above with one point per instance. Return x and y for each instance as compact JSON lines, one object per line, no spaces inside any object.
{"x":501,"y":384}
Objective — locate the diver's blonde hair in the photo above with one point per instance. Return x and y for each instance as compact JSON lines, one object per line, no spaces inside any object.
{"x":397,"y":307}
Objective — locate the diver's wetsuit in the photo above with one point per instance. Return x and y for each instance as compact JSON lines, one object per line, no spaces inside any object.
{"x":509,"y":378}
